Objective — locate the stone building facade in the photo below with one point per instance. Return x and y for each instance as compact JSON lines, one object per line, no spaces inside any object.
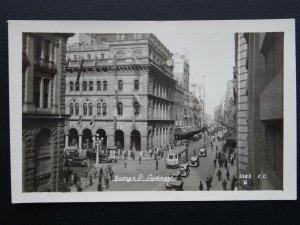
{"x":125,"y":92}
{"x":259,"y":64}
{"x":43,"y":108}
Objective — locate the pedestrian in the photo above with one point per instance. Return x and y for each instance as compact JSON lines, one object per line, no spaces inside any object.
{"x":225,"y":162}
{"x":216,"y":148}
{"x":156,"y":164}
{"x":210,"y":180}
{"x":91,"y":180}
{"x":233,"y":182}
{"x":227,"y":174}
{"x":219,"y":174}
{"x":207,"y":184}
{"x":75,"y":179}
{"x":140,"y":159}
{"x":125,"y":163}
{"x":99,"y":186}
{"x":201,"y":186}
{"x":215,"y":163}
{"x":106,"y":179}
{"x":95,"y":173}
{"x":224,"y":184}
{"x":111,"y":173}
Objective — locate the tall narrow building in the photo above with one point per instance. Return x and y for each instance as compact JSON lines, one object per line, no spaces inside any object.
{"x":43,"y":101}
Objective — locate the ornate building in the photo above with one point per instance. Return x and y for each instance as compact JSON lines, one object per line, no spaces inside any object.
{"x":121,"y":88}
{"x":43,"y":110}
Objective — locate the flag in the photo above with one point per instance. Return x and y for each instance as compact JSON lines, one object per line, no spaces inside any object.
{"x":81,"y":62}
{"x":67,"y":124}
{"x":80,"y":119}
{"x":115,"y":122}
{"x":96,"y":62}
{"x":115,"y":64}
{"x":117,"y":97}
{"x":67,"y":65}
{"x":133,"y":123}
{"x":93,"y":120}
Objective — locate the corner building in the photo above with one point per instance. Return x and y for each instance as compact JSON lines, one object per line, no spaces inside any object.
{"x":125,"y":92}
{"x":43,"y":110}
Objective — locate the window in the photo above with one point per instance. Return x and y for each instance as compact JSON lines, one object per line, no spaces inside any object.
{"x":84,"y":109}
{"x":84,"y":86}
{"x":71,"y":86}
{"x":37,"y":83}
{"x":104,"y":85}
{"x":71,"y":109}
{"x":89,"y":57}
{"x":90,"y":109}
{"x":77,"y":86}
{"x":136,"y":108}
{"x":91,"y":87}
{"x":120,"y":109}
{"x":136,"y":84}
{"x":102,"y":56}
{"x":47,"y":50}
{"x":104,"y":109}
{"x":120,"y":85}
{"x":98,"y":85}
{"x":98,"y":109}
{"x":76,"y":109}
{"x":37,"y":48}
{"x":46,"y":93}
{"x":75,"y":58}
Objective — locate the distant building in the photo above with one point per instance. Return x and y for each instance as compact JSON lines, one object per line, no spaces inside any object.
{"x":43,"y":101}
{"x":125,"y":92}
{"x":259,"y":77}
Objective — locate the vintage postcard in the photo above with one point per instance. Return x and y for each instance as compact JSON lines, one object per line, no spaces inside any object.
{"x":152,"y":111}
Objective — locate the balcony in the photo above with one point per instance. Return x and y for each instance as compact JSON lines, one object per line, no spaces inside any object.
{"x":45,"y":65}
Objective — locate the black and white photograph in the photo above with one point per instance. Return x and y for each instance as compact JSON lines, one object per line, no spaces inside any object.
{"x":133,"y":111}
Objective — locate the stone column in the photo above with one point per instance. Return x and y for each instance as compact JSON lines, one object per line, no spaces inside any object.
{"x":29,"y":76}
{"x":94,"y":140}
{"x":43,"y":51}
{"x":41,"y":105}
{"x":126,"y":142}
{"x":67,"y":141}
{"x":80,"y":141}
{"x":110,"y":140}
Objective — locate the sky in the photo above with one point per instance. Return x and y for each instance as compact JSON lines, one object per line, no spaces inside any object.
{"x":211,"y":55}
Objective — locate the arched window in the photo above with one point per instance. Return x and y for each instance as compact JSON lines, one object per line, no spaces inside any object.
{"x":71,"y":86}
{"x":99,"y":109}
{"x":105,"y":85}
{"x":98,"y":85}
{"x":136,"y":84}
{"x":84,"y":109}
{"x":71,"y":109}
{"x":77,"y":86}
{"x":136,"y":107}
{"x":91,"y":86}
{"x":104,"y":111}
{"x":120,"y":85}
{"x":120,"y":109}
{"x":90,"y":109}
{"x":76,"y":109}
{"x":84,"y":86}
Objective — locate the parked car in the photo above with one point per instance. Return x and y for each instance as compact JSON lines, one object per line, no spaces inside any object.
{"x":202,"y":152}
{"x":175,"y":184}
{"x":184,"y":169}
{"x":194,"y":161}
{"x":77,"y":161}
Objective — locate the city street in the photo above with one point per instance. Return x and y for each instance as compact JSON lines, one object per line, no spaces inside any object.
{"x":147,"y":169}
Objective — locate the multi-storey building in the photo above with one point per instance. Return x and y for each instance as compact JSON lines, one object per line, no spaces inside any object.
{"x":43,"y":101}
{"x":121,"y":88}
{"x":259,"y":75}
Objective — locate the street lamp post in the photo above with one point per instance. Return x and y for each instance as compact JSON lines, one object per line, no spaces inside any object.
{"x":97,"y":151}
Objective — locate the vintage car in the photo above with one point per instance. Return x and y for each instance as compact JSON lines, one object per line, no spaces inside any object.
{"x":194,"y":161}
{"x":77,"y":161}
{"x":175,"y":184}
{"x":202,"y":152}
{"x":184,"y":169}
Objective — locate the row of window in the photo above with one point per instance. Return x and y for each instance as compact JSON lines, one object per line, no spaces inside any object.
{"x":85,"y":86}
{"x":101,"y":109}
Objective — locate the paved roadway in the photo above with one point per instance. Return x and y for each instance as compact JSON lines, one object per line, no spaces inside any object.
{"x":147,"y":168}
